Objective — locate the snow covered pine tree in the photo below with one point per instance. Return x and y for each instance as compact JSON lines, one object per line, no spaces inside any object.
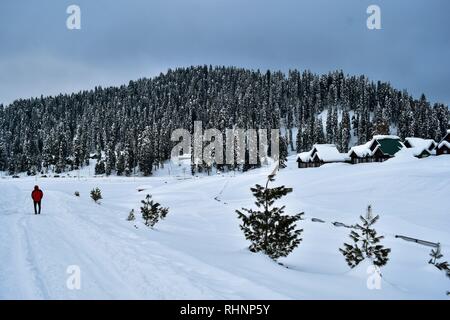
{"x":131,"y":216}
{"x":443,"y":265}
{"x":96,"y":194}
{"x":268,"y":229}
{"x":100,"y":167}
{"x":152,"y":212}
{"x":368,"y":240}
{"x":283,"y":152}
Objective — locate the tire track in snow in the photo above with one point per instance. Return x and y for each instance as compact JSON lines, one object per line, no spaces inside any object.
{"x":30,"y":261}
{"x":150,"y":275}
{"x":68,"y":241}
{"x":18,"y":260}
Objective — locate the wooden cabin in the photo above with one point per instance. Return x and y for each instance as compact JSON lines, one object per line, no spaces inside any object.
{"x":319,"y":155}
{"x":304,"y":160}
{"x":444,"y":146}
{"x":388,"y":146}
{"x":378,"y":155}
{"x":379,"y":149}
{"x":421,"y":148}
{"x":355,"y":158}
{"x":360,"y":154}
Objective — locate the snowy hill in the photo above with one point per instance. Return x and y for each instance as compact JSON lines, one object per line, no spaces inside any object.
{"x":131,"y":126}
{"x":199,"y":252}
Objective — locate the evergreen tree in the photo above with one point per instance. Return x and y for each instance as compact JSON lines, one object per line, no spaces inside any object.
{"x":365,"y":244}
{"x":329,"y":126}
{"x":96,"y":194}
{"x":436,"y":255}
{"x":78,"y":153}
{"x":152,"y":212}
{"x":381,"y":125}
{"x":110,"y":160}
{"x":345,"y":131}
{"x":129,"y":154}
{"x":131,"y":216}
{"x":268,"y":228}
{"x":3,"y":156}
{"x":335,"y":125}
{"x":319,"y":136}
{"x":128,"y":161}
{"x":146,"y":152}
{"x":61,"y":163}
{"x":299,"y":141}
{"x":359,"y":129}
{"x":283,"y":152}
{"x":120,"y":165}
{"x":100,"y":167}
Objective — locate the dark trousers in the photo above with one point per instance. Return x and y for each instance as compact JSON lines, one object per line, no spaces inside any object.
{"x":37,"y":205}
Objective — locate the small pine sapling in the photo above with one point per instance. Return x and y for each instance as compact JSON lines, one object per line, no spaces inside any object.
{"x":366,"y":244}
{"x":436,"y":255}
{"x":96,"y":195}
{"x":267,"y":228}
{"x":131,"y":216}
{"x":77,"y":194}
{"x":152,"y":211}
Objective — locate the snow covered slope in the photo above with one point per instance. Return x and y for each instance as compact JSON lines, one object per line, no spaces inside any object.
{"x":199,"y":252}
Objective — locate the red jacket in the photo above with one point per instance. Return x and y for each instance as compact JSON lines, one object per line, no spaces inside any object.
{"x":37,"y":195}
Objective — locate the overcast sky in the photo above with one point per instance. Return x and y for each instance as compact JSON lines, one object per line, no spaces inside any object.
{"x":122,"y":40}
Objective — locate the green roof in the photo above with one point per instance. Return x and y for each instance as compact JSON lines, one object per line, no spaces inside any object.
{"x":390,"y":146}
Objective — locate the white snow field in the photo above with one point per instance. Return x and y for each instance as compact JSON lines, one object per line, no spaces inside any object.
{"x":199,"y":252}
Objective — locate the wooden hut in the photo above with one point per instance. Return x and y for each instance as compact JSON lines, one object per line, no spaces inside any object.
{"x":360,"y":154}
{"x":421,"y":148}
{"x":304,"y":160}
{"x":319,"y":155}
{"x":379,"y":149}
{"x":444,"y":146}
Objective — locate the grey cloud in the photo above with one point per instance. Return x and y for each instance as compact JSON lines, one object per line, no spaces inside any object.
{"x":122,"y":40}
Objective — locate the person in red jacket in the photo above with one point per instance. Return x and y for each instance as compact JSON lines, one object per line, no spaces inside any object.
{"x":37,"y":196}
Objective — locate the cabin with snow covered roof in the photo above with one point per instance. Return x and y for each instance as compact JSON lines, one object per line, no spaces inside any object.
{"x":319,"y":155}
{"x":444,"y":146}
{"x":421,"y":148}
{"x":379,"y":149}
{"x":360,"y":154}
{"x":304,"y":160}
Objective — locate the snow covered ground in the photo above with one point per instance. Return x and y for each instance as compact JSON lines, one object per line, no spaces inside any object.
{"x":199,"y":252}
